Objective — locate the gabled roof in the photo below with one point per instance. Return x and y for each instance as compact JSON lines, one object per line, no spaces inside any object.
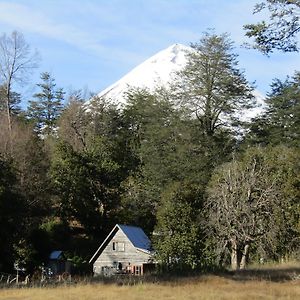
{"x":136,"y":236}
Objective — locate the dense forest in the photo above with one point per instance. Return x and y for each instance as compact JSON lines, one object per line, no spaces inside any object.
{"x":210,"y":189}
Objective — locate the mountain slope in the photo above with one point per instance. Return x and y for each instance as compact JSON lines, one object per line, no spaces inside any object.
{"x":155,"y":71}
{"x":158,"y":70}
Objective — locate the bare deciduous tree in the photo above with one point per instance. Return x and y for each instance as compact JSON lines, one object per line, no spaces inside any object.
{"x":74,"y":121}
{"x":246,"y":201}
{"x":16,"y":62}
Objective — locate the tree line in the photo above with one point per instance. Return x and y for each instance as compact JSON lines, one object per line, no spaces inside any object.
{"x":209,"y":189}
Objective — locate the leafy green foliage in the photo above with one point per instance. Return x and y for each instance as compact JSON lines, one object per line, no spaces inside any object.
{"x":149,"y":164}
{"x":280,"y":123}
{"x":170,"y":147}
{"x":12,"y":209}
{"x":86,"y":184}
{"x":211,"y":86}
{"x":280,"y":31}
{"x":178,"y":234}
{"x":156,"y":138}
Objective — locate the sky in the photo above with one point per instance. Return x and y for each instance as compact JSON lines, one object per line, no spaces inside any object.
{"x":91,"y":44}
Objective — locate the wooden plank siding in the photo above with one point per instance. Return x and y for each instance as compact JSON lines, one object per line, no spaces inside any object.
{"x":114,"y":258}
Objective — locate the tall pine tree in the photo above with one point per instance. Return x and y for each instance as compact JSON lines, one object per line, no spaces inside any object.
{"x":45,"y":110}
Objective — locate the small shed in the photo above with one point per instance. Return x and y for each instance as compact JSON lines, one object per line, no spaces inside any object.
{"x":126,"y":250}
{"x":58,"y":263}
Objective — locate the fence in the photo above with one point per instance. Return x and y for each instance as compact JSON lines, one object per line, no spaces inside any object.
{"x":6,"y":278}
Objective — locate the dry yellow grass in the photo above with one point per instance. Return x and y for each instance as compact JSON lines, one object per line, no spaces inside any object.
{"x":207,"y":287}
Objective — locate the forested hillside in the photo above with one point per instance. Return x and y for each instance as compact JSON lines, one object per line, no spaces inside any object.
{"x":209,"y":189}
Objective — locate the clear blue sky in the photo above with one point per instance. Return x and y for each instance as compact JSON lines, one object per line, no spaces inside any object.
{"x":92,"y":43}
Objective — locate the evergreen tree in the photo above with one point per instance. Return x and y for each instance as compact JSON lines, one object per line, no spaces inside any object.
{"x":211,"y":86}
{"x":280,"y":124}
{"x":46,"y":109}
{"x":156,"y":145}
{"x":169,"y":147}
{"x":14,"y":104}
{"x":280,"y":31}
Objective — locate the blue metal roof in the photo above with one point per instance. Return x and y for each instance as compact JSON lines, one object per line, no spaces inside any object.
{"x":56,"y":254}
{"x":137,"y":237}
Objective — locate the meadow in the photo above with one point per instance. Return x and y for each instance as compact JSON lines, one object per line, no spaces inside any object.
{"x":262,"y":283}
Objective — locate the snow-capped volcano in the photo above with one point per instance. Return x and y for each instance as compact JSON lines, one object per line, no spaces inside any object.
{"x":158,"y":71}
{"x":155,"y":71}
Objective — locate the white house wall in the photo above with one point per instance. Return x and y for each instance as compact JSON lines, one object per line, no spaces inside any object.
{"x":111,"y":258}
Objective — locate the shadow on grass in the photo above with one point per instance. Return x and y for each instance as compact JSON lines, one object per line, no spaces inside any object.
{"x":264,"y":273}
{"x":268,"y":274}
{"x":260,"y":274}
{"x":277,"y":273}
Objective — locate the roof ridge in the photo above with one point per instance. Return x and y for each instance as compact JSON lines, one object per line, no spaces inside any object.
{"x":137,"y":238}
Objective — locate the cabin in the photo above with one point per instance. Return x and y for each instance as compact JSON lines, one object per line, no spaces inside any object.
{"x":126,"y":250}
{"x":58,"y":263}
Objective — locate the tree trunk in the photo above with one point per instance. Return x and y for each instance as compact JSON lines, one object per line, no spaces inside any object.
{"x":234,"y":255}
{"x":244,"y":257}
{"x":8,"y":113}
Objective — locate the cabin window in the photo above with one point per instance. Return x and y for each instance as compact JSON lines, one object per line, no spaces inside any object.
{"x":121,"y":246}
{"x":137,"y":270}
{"x":118,"y":246}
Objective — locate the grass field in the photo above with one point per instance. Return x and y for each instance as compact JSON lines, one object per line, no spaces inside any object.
{"x":253,"y":284}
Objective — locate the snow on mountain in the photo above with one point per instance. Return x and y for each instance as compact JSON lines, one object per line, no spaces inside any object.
{"x":258,"y":109}
{"x":154,"y":72}
{"x":158,"y":71}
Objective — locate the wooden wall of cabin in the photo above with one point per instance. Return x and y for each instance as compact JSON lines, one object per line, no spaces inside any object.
{"x":112,"y":256}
